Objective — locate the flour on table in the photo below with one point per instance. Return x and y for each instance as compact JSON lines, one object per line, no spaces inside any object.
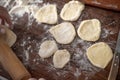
{"x":64,"y":33}
{"x":61,"y":58}
{"x":25,"y":6}
{"x":72,"y":10}
{"x":89,"y":30}
{"x":99,"y":54}
{"x":18,"y":10}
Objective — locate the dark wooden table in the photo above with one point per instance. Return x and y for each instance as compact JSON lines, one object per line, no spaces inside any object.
{"x":79,"y":68}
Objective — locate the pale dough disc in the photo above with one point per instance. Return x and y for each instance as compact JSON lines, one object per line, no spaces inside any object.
{"x":48,"y":48}
{"x":9,"y":36}
{"x":64,"y":33}
{"x":99,"y":54}
{"x":61,"y":58}
{"x":89,"y":30}
{"x":72,"y":10}
{"x":47,"y":14}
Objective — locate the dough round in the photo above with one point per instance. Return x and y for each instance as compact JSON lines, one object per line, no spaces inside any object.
{"x":61,"y":58}
{"x":47,"y":14}
{"x":72,"y":10}
{"x":64,"y":33}
{"x":99,"y":54}
{"x":47,"y":48}
{"x":9,"y":36}
{"x":89,"y":30}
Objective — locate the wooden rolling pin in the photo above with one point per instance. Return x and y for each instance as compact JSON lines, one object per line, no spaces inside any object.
{"x":9,"y":60}
{"x":107,"y":4}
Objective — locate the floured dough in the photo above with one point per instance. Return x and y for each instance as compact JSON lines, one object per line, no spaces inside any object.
{"x":71,"y":10}
{"x":47,"y":48}
{"x":64,"y":33}
{"x":9,"y":36}
{"x":99,"y":54}
{"x":89,"y":30}
{"x":61,"y":58}
{"x":47,"y":14}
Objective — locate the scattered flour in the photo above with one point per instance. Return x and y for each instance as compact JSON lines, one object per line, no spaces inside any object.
{"x":106,"y":32}
{"x":20,"y":9}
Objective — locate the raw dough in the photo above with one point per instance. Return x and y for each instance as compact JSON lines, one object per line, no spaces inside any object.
{"x":89,"y":30}
{"x":61,"y":58}
{"x":72,"y":10}
{"x":99,"y":54}
{"x":47,"y":14}
{"x":64,"y":33}
{"x":9,"y":36}
{"x":47,"y":48}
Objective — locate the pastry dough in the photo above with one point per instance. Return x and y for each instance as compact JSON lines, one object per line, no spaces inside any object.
{"x":9,"y":36}
{"x":72,"y":10}
{"x":64,"y":33}
{"x":47,"y":48}
{"x":89,"y":30}
{"x":61,"y":58}
{"x":47,"y":14}
{"x":99,"y":54}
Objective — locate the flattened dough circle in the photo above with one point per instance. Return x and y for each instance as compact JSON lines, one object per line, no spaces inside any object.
{"x":47,"y":14}
{"x":64,"y":33}
{"x":72,"y":10}
{"x":61,"y":58}
{"x":48,"y":48}
{"x":99,"y":54}
{"x":9,"y":36}
{"x":89,"y":30}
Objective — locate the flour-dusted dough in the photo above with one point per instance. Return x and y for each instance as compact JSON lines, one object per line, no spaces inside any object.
{"x":61,"y":58}
{"x":9,"y":36}
{"x":72,"y":10}
{"x":64,"y":33}
{"x":47,"y":14}
{"x":48,"y":48}
{"x":89,"y":30}
{"x":99,"y":54}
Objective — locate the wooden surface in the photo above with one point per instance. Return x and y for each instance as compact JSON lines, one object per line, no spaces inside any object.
{"x":108,"y":4}
{"x":79,"y":68}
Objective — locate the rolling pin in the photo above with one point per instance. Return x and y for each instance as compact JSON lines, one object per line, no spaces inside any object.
{"x":8,"y":58}
{"x":107,"y":4}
